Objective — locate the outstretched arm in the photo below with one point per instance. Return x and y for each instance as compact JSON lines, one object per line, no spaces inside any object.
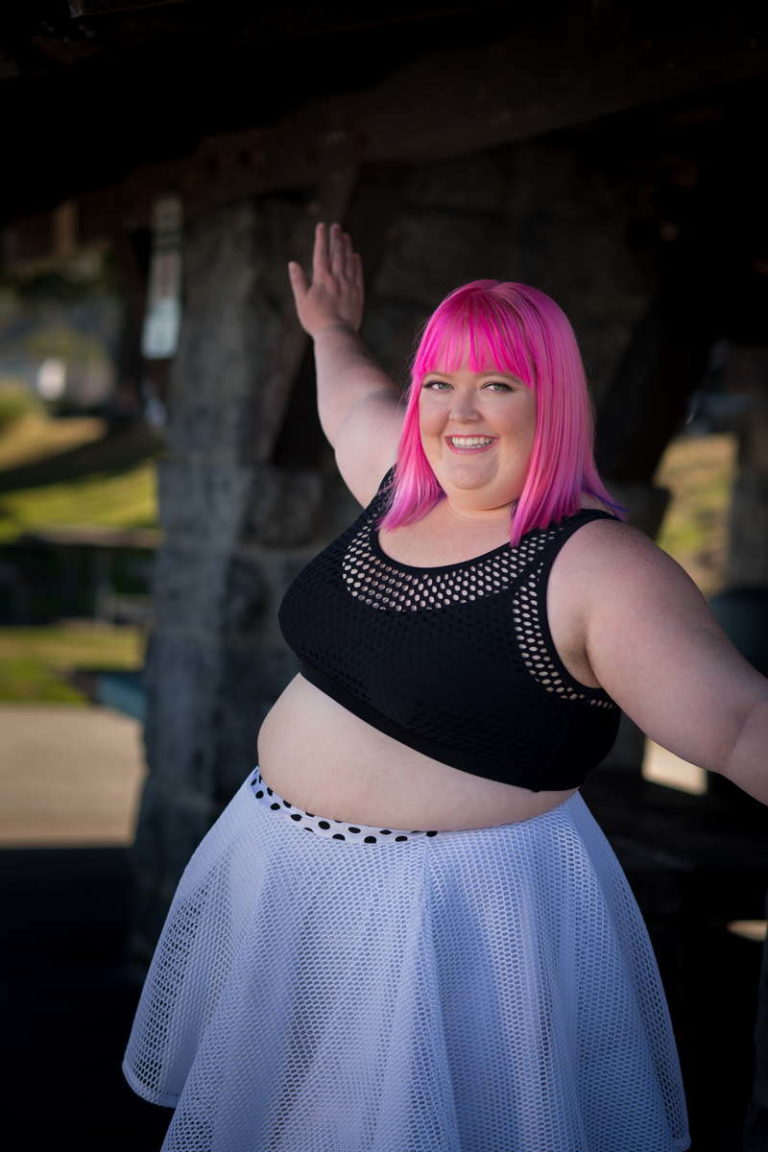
{"x":748,"y":762}
{"x":330,"y":310}
{"x":658,"y":651}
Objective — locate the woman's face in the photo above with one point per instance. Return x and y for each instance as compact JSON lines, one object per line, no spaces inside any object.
{"x":492,"y":405}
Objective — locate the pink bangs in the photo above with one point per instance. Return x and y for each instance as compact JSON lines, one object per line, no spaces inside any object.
{"x":471,"y":333}
{"x":490,"y":324}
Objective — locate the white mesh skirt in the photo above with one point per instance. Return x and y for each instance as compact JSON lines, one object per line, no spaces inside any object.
{"x":325,"y":987}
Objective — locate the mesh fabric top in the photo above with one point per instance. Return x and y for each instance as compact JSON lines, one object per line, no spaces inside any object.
{"x":455,"y":661}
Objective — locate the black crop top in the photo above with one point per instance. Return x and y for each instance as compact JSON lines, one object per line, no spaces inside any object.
{"x":456,"y":661}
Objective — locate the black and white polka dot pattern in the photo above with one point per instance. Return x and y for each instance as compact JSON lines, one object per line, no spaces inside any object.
{"x":326,"y":825}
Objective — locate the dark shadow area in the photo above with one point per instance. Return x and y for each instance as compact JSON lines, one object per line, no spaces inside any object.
{"x":68,"y":1001}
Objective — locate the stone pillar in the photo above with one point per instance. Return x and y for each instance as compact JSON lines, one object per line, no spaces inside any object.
{"x":214,"y":662}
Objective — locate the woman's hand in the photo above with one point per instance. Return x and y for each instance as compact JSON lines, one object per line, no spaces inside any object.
{"x":335,"y":296}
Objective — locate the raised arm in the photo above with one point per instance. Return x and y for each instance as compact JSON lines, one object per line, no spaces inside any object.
{"x":330,"y":309}
{"x":658,"y":651}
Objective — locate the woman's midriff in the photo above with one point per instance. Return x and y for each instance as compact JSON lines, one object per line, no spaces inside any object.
{"x":324,"y":759}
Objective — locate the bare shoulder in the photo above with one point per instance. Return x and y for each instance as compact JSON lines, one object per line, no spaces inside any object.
{"x":604,"y":553}
{"x":602,"y":569}
{"x":653,"y":644}
{"x":613,"y":534}
{"x":631,"y":596}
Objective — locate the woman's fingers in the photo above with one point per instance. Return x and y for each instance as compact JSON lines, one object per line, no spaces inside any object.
{"x":297,"y":280}
{"x":335,"y":290}
{"x":320,"y":263}
{"x":357,"y":272}
{"x":333,"y":255}
{"x":349,"y":257}
{"x":336,"y":244}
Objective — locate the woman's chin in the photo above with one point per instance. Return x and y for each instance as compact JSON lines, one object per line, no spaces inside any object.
{"x":466,"y":473}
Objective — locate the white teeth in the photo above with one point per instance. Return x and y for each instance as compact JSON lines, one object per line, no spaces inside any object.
{"x":470,"y":441}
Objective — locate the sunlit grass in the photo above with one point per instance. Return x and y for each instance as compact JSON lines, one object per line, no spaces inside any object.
{"x":699,"y":472}
{"x":34,"y":662}
{"x":34,"y":437}
{"x":121,"y":499}
{"x":114,"y":500}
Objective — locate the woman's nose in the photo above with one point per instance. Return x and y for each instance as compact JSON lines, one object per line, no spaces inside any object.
{"x":464,"y":406}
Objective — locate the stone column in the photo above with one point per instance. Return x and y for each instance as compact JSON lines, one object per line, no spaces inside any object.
{"x":213,"y":661}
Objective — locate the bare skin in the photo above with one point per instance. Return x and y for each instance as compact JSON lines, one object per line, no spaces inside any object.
{"x":623,"y":615}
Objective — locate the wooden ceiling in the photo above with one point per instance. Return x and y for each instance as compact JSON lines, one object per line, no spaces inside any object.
{"x":93,"y":89}
{"x":105,"y":85}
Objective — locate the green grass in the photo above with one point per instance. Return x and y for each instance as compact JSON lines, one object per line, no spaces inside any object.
{"x":120,"y":499}
{"x":111,"y":500}
{"x":36,"y":435}
{"x":34,"y":662}
{"x":699,"y":474}
{"x":17,"y":403}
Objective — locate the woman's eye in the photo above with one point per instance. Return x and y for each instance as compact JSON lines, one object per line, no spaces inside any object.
{"x":440,"y":384}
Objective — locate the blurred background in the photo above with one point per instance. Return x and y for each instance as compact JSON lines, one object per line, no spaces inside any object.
{"x":163,"y":474}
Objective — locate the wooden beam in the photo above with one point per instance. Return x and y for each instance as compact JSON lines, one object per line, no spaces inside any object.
{"x":444,"y":104}
{"x":79,"y":8}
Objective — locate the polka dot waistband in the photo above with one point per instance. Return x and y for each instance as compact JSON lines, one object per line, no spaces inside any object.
{"x":326,"y":825}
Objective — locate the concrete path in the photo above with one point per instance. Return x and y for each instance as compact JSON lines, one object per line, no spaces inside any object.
{"x":69,"y":777}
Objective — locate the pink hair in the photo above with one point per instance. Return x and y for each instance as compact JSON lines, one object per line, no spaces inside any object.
{"x":520,"y":330}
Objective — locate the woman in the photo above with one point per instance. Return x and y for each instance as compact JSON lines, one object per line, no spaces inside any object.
{"x":406,"y":932}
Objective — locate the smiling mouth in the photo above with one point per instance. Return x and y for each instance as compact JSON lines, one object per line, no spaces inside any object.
{"x":470,"y":444}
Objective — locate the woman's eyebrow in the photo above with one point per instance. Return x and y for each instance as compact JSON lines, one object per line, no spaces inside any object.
{"x":480,"y":375}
